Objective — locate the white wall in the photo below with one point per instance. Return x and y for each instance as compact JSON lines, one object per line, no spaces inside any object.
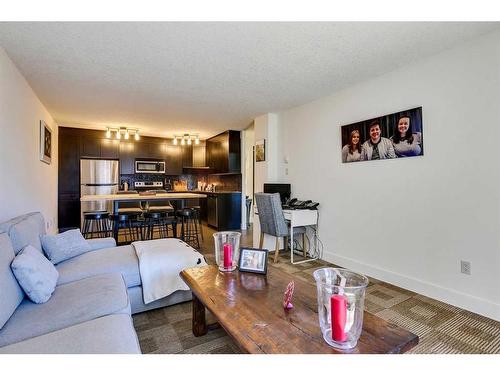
{"x":410,"y":222}
{"x":248,"y":141}
{"x":266,"y":127}
{"x":27,"y":184}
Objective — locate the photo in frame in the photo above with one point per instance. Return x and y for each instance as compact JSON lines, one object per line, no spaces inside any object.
{"x":393,"y":136}
{"x":253,"y":260}
{"x":260,"y":150}
{"x":45,"y":142}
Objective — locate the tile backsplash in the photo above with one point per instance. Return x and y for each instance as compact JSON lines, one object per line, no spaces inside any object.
{"x":223,"y":182}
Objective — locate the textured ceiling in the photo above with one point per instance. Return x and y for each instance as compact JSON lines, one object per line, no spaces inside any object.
{"x":204,"y":78}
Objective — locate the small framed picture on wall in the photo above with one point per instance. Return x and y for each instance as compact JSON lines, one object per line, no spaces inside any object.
{"x":260,"y":150}
{"x":45,"y":142}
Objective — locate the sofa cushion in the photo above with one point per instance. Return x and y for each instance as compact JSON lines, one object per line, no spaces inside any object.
{"x":111,"y":334}
{"x":64,"y":246}
{"x":120,"y":259}
{"x":101,"y":243}
{"x":70,"y":304}
{"x":25,"y":230}
{"x":12,"y":294}
{"x":36,"y":275}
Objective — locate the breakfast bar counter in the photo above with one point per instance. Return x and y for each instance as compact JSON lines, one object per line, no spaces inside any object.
{"x":117,"y":198}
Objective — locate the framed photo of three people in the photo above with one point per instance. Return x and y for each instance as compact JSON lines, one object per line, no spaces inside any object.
{"x":398,"y":135}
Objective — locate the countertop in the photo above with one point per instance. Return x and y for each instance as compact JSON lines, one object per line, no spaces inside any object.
{"x":207,"y":192}
{"x":138,"y":197}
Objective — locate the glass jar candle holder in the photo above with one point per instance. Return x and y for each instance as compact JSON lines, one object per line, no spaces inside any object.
{"x":341,"y":296}
{"x":227,"y":249}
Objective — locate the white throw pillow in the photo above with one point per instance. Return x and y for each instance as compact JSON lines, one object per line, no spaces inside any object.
{"x":36,"y":275}
{"x":63,"y":246}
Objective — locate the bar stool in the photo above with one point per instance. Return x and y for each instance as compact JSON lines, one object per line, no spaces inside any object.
{"x":131,"y":227}
{"x":160,"y":222}
{"x":96,"y":224}
{"x":197,"y":214}
{"x":189,"y":226}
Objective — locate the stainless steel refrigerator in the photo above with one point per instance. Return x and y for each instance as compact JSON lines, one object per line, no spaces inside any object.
{"x":98,"y":177}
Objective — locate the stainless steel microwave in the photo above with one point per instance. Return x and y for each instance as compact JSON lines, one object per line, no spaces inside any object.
{"x":147,"y":166}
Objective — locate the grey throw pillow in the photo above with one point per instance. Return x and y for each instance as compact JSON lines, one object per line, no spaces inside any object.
{"x":65,"y":245}
{"x":36,"y":275}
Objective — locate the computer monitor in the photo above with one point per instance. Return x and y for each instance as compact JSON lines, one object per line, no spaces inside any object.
{"x":285,"y":190}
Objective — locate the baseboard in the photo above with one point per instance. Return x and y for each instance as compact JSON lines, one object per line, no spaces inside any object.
{"x":453,"y":297}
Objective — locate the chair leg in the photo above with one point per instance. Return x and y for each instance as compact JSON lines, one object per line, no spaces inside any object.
{"x":261,"y":243}
{"x":277,"y":251}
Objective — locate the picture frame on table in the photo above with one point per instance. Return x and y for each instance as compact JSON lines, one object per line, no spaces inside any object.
{"x":253,"y":260}
{"x":45,"y":142}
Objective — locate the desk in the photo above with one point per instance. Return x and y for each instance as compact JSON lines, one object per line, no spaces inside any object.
{"x":302,"y":218}
{"x":299,"y":218}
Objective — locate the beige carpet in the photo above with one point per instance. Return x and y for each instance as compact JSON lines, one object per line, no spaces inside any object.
{"x":442,"y":328}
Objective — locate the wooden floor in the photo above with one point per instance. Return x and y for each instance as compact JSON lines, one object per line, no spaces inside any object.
{"x":442,"y":328}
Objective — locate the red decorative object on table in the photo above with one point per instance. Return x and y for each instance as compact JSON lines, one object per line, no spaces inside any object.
{"x":287,"y":301}
{"x":228,"y":255}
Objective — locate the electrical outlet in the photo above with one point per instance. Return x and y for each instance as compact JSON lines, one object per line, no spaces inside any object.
{"x":465,"y":267}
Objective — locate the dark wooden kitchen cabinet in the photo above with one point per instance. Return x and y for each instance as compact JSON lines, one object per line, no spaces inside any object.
{"x":69,"y":162}
{"x":141,"y":150}
{"x":90,"y":147}
{"x":224,"y":152}
{"x":127,"y":157}
{"x":173,"y":161}
{"x":93,"y":147}
{"x":110,"y":148}
{"x":187,"y":156}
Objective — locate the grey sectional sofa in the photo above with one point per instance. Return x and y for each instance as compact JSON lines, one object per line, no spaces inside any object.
{"x":90,"y":309}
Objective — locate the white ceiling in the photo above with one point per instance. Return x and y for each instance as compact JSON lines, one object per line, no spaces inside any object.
{"x":204,"y":78}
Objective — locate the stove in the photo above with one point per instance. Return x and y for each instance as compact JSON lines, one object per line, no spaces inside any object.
{"x":148,"y":185}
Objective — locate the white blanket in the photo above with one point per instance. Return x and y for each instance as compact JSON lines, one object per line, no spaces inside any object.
{"x":160,"y":262}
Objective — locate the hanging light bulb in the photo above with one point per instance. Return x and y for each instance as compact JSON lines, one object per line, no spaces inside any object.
{"x":108,"y":133}
{"x":118,"y":134}
{"x":175,"y":141}
{"x":126,"y":134}
{"x":137,"y":137}
{"x":189,"y":140}
{"x":183,"y":142}
{"x":197,"y":140}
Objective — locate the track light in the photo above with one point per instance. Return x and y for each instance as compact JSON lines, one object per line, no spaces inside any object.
{"x":127,"y":132}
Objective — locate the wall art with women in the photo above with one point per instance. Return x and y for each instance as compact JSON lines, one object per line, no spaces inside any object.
{"x":398,"y":135}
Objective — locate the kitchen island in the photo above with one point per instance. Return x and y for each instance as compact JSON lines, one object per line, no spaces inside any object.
{"x":118,"y":198}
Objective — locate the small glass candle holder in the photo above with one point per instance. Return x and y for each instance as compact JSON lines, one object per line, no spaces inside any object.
{"x":341,"y":296}
{"x":227,"y":249}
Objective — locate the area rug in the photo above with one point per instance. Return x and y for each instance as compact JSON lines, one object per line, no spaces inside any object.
{"x":442,"y":328}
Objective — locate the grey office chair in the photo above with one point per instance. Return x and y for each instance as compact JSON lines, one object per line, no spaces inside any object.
{"x":272,"y":221}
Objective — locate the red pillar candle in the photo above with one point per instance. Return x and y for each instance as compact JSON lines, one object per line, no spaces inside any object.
{"x":338,"y":310}
{"x":228,"y":255}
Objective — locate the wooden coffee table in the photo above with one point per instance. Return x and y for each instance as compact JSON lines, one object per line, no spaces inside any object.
{"x":249,"y":308}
